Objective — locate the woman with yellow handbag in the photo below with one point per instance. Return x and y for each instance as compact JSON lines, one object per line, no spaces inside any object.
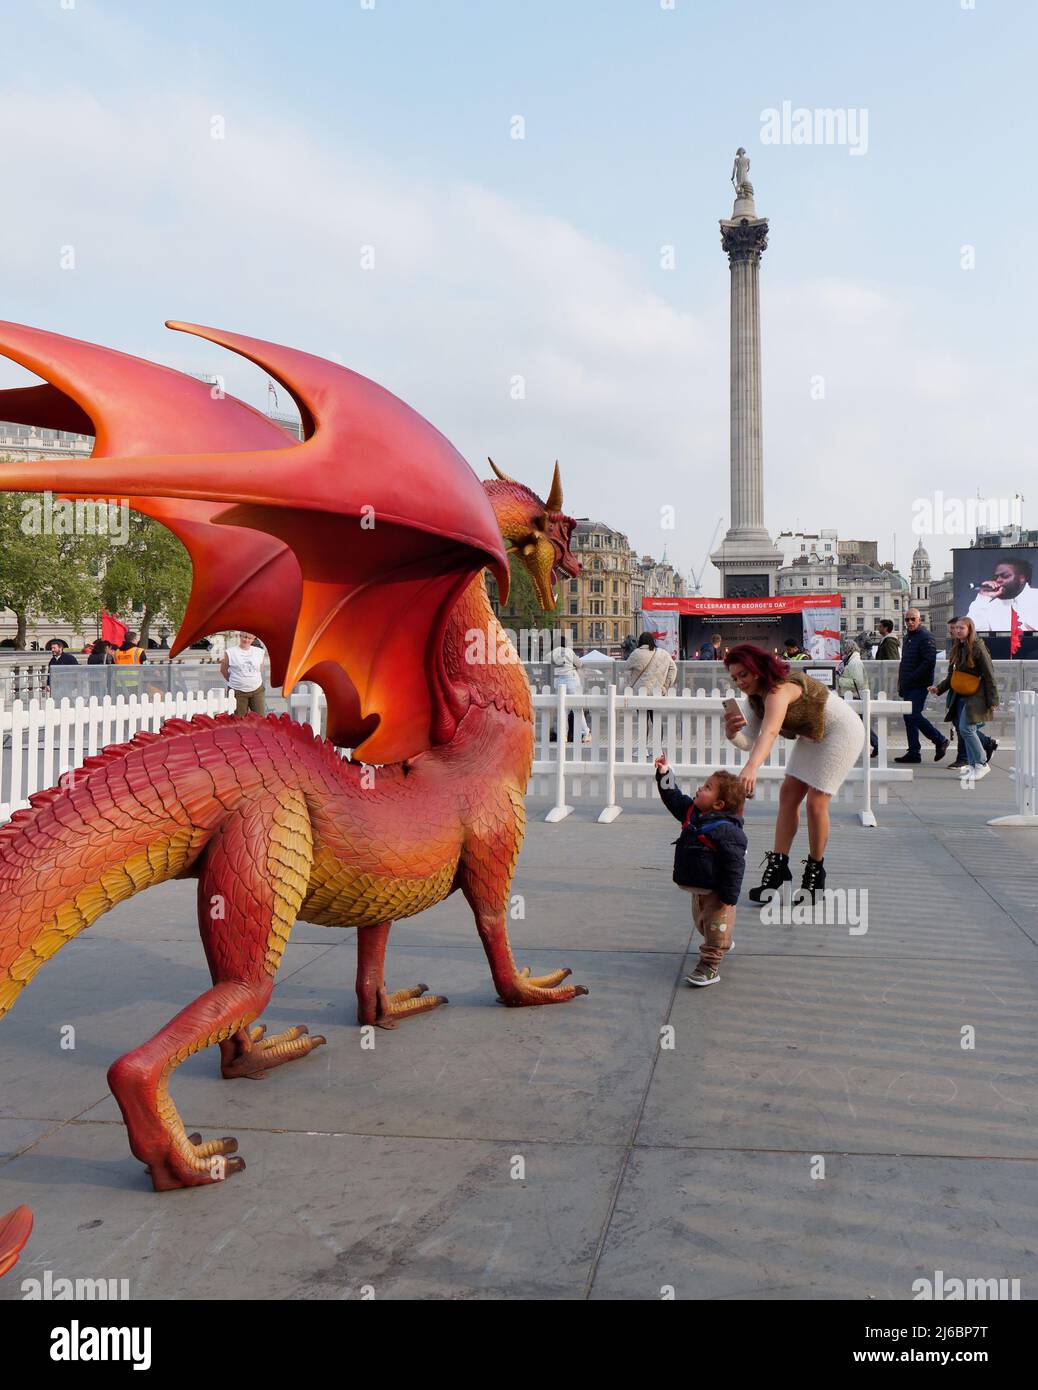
{"x":973,"y":694}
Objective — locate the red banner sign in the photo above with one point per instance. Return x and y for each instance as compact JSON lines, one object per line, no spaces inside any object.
{"x":747,"y":607}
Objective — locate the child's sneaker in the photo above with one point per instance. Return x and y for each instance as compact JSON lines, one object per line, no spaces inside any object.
{"x":703,"y":975}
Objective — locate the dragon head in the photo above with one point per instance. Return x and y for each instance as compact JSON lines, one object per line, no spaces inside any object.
{"x":538,"y":532}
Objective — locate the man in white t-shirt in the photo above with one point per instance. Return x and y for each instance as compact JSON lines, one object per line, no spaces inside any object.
{"x":242,"y":668}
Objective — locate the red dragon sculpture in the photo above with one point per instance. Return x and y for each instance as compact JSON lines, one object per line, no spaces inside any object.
{"x":358,"y":556}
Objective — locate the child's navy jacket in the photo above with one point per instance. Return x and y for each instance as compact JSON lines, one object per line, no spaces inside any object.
{"x":711,"y":849}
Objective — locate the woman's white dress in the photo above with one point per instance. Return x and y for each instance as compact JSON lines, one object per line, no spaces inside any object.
{"x":825,"y":763}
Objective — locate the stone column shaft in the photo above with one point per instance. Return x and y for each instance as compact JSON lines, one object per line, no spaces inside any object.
{"x":744,"y":242}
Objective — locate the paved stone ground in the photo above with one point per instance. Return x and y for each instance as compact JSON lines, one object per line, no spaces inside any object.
{"x":644,"y":1166}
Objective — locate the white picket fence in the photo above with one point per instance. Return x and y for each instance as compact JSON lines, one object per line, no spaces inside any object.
{"x":616,"y":766}
{"x":42,"y":739}
{"x":1025,"y":768}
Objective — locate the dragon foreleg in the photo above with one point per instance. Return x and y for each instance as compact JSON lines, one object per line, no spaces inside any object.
{"x":487,"y":865}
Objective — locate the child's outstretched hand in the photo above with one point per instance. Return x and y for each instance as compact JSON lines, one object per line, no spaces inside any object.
{"x":661,"y":763}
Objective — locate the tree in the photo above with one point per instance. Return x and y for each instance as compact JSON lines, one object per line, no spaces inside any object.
{"x":523,"y":609}
{"x":43,"y":574}
{"x":150,"y":573}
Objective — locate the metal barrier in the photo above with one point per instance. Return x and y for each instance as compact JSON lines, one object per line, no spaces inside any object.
{"x":1025,"y":769}
{"x":152,"y":678}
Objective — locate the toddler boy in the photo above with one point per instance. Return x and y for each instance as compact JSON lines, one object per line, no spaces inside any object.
{"x":709,"y":860}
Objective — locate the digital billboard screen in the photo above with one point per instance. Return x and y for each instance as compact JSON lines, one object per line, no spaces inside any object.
{"x":990,"y":585}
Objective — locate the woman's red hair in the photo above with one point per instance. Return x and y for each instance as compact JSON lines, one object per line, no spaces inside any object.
{"x":769,"y":669}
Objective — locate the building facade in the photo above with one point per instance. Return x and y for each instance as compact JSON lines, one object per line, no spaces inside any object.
{"x":658,"y":579}
{"x":598,"y":606}
{"x":1005,"y":539}
{"x":810,"y":545}
{"x":942,"y":606}
{"x":867,"y":592}
{"x":859,"y":552}
{"x":27,"y":442}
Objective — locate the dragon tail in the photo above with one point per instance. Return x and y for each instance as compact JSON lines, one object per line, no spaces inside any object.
{"x":15,"y":1229}
{"x":75,"y":852}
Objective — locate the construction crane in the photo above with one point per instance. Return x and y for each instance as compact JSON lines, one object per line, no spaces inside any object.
{"x":697,"y":575}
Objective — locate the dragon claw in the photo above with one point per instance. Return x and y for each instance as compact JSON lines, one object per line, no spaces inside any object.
{"x":405,"y":1003}
{"x":193,"y":1163}
{"x":255,"y":1054}
{"x":530,"y":989}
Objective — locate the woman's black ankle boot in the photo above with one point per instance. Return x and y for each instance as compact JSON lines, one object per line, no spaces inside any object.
{"x":776,"y":873}
{"x":813,"y":880}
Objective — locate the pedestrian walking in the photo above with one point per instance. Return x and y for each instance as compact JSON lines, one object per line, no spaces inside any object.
{"x":889,"y":648}
{"x":986,"y":742}
{"x":851,"y":678}
{"x":103,"y":654}
{"x":828,"y":740}
{"x":914,"y":681}
{"x":709,"y":860}
{"x":973,"y":694}
{"x":242,"y":668}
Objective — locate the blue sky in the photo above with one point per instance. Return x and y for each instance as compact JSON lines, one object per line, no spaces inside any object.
{"x":498,"y":257}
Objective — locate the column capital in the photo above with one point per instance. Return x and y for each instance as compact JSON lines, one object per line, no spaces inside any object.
{"x":745,"y":239}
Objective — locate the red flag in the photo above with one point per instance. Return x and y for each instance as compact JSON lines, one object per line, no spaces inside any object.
{"x":1014,"y":632}
{"x":112,"y":630}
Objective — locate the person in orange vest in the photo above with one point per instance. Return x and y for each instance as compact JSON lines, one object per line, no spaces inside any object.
{"x":129,"y":654}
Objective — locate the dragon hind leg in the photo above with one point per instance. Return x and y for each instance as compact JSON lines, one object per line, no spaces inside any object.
{"x":250,"y":888}
{"x":140,"y":1084}
{"x":374,"y":1005}
{"x":251,"y":883}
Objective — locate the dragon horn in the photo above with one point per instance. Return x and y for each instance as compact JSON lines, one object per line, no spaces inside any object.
{"x":554,"y":502}
{"x":503,"y":476}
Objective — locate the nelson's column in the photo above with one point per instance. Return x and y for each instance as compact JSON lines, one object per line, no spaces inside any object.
{"x":747,"y":560}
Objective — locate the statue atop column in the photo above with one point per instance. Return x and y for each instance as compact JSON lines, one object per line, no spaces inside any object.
{"x":740,"y":175}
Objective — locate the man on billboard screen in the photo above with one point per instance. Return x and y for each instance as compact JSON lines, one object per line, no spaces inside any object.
{"x":1007,"y":591}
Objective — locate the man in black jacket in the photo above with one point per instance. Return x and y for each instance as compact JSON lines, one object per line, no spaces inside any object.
{"x":914,"y":677}
{"x":59,"y":656}
{"x":709,"y":861}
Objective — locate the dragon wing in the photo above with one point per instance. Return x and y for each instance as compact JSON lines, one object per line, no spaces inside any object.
{"x":344,"y":553}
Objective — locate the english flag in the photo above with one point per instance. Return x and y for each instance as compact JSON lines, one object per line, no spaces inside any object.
{"x":112,"y":630}
{"x":1014,"y":632}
